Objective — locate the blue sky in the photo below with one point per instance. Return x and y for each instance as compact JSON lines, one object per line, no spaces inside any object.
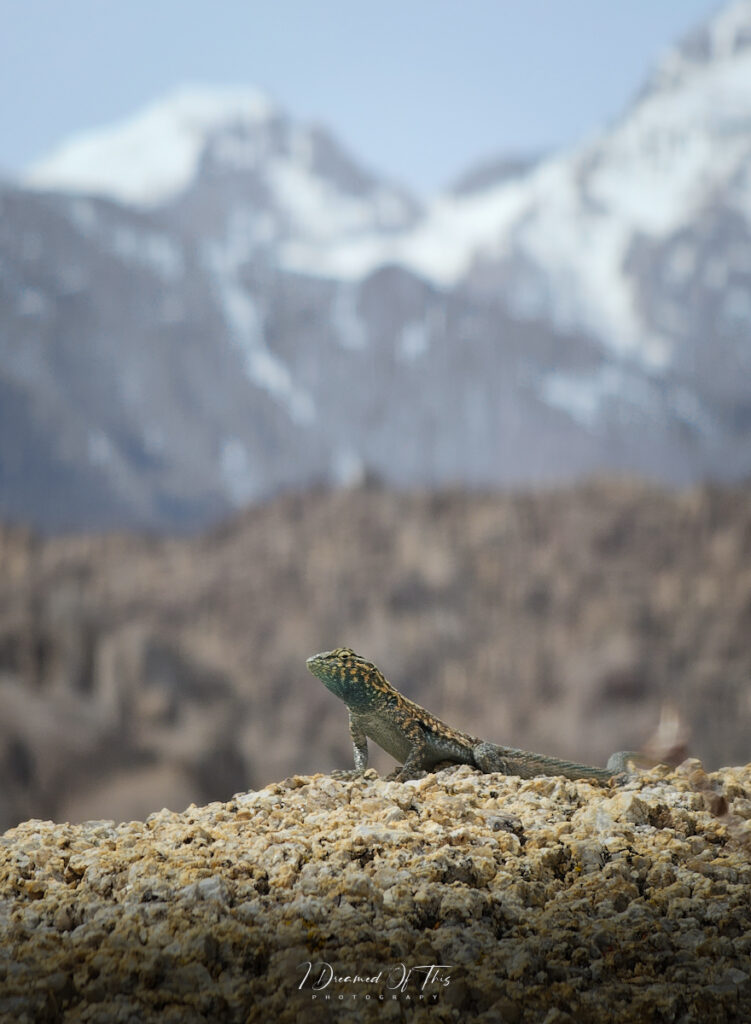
{"x":418,"y":89}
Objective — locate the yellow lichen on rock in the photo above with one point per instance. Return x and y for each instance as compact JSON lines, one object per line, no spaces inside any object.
{"x":453,"y":895}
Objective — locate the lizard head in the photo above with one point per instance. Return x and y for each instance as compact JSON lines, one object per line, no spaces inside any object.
{"x":346,"y":674}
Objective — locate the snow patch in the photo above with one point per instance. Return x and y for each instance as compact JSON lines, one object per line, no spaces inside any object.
{"x":152,"y":156}
{"x":314,"y":206}
{"x":262,"y":367}
{"x":152,"y":249}
{"x":302,"y":147}
{"x":156,"y":251}
{"x":391,"y":209}
{"x":236,"y":472}
{"x":730,"y":29}
{"x":246,"y":229}
{"x":583,"y":396}
{"x":348,"y":469}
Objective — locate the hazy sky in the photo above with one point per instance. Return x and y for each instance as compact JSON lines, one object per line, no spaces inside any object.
{"x":419,"y":89}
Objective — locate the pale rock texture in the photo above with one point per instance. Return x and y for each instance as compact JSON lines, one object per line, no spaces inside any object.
{"x":541,"y":900}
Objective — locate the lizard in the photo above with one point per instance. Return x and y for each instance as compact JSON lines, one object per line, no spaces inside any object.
{"x":419,"y":740}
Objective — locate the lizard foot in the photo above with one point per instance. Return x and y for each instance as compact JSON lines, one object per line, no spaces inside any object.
{"x":403,"y":775}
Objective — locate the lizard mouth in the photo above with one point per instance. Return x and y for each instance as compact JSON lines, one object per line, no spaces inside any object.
{"x":315,"y":662}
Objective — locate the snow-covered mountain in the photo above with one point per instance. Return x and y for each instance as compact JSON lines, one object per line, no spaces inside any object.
{"x":154,"y":155}
{"x":216,"y":151}
{"x":555,"y":242}
{"x":638,"y":237}
{"x":214,"y":300}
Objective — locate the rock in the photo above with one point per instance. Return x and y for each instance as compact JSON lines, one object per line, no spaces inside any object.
{"x":313,"y":896}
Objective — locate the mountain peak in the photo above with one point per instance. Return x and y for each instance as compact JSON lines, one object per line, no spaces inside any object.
{"x":151,"y":156}
{"x":721,"y":38}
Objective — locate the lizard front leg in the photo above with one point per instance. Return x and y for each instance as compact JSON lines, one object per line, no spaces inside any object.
{"x":359,"y":750}
{"x":359,"y":744}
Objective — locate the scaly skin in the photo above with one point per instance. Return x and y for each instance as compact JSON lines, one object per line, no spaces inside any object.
{"x":419,"y":740}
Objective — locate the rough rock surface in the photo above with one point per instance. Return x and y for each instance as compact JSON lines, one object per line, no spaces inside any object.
{"x":543,"y":900}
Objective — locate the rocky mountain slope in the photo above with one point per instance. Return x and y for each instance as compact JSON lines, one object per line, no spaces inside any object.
{"x":214,"y":301}
{"x":138,"y":673}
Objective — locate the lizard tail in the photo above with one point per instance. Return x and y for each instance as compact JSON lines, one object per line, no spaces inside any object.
{"x":490,"y":757}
